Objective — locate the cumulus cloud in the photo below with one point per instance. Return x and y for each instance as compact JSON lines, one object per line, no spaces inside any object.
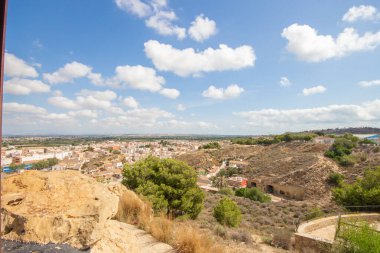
{"x":83,"y":114}
{"x":284,"y":82}
{"x":130,"y":102}
{"x":189,"y":62}
{"x":139,"y":77}
{"x":305,"y":42}
{"x":161,"y":22}
{"x":170,"y":93}
{"x":367,"y":84}
{"x":88,"y":99}
{"x":63,"y":102}
{"x":313,"y":118}
{"x":20,"y":86}
{"x":16,"y":67}
{"x":232,"y":91}
{"x":313,"y":90}
{"x":14,"y":107}
{"x":157,"y":14}
{"x":202,"y":28}
{"x":136,"y":7}
{"x":361,"y":12}
{"x":68,"y":73}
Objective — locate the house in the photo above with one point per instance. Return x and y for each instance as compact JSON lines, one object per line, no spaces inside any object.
{"x":237,"y":182}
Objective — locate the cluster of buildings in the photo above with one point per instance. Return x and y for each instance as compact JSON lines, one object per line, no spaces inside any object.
{"x":101,"y":160}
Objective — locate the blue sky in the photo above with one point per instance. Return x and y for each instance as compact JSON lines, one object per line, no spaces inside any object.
{"x":220,"y":67}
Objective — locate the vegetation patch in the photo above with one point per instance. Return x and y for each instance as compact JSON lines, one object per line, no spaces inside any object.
{"x":169,"y":184}
{"x":227,"y":212}
{"x":253,"y":194}
{"x":364,"y":192}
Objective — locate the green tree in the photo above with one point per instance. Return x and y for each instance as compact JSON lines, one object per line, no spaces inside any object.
{"x":227,"y":212}
{"x":168,"y":183}
{"x":363,"y":192}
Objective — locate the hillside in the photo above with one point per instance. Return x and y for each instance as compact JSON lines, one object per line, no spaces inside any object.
{"x":301,"y":164}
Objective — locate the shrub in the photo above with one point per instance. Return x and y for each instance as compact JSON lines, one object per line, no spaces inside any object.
{"x":220,"y":231}
{"x":357,"y":239}
{"x":169,"y":184}
{"x":211,"y":145}
{"x":314,"y":213}
{"x":242,"y":236}
{"x":227,"y":191}
{"x":376,"y":150}
{"x":282,"y":238}
{"x":342,"y":148}
{"x":253,"y":194}
{"x":227,"y":212}
{"x":363,"y":192}
{"x":335,"y":178}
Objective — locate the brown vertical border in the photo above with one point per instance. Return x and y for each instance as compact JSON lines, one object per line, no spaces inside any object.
{"x":4,"y":5}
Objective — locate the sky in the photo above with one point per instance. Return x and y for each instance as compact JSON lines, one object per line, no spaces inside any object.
{"x":190,"y":67}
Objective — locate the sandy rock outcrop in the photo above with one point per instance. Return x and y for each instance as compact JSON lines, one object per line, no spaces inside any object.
{"x":58,"y":206}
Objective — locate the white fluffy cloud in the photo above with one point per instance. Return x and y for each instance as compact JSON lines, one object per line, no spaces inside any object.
{"x":305,"y":42}
{"x":313,"y":118}
{"x":63,"y":102}
{"x":369,"y":83}
{"x":68,"y":73}
{"x":362,"y":12}
{"x":83,"y":114}
{"x":130,"y":102}
{"x":170,"y":93}
{"x":161,"y":22}
{"x":16,"y":67}
{"x":157,"y":14}
{"x":284,"y":82}
{"x":189,"y":62}
{"x":202,"y":28}
{"x":232,"y":91}
{"x":23,"y":108}
{"x":20,"y":86}
{"x":313,"y":90}
{"x":136,"y":7}
{"x":88,"y":100}
{"x":139,"y":77}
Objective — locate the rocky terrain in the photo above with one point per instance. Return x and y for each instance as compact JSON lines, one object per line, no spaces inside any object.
{"x":71,"y":208}
{"x":297,"y":163}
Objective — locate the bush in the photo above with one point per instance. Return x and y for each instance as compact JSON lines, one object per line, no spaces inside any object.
{"x":227,"y":212}
{"x":342,"y":148}
{"x":357,"y":239}
{"x":282,"y":238}
{"x":242,"y":236}
{"x":253,"y":194}
{"x":335,"y":178}
{"x":227,"y":191}
{"x":363,"y":192}
{"x":211,"y":145}
{"x":169,"y":184}
{"x":314,"y":213}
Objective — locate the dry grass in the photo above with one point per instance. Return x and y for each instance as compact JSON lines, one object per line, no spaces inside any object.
{"x":189,"y":240}
{"x":162,"y":229}
{"x":133,"y":210}
{"x":181,"y":235}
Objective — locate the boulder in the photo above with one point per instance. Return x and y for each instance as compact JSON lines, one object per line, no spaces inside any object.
{"x":57,"y":207}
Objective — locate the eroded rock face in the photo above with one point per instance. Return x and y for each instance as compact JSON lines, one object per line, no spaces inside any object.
{"x":58,"y":207}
